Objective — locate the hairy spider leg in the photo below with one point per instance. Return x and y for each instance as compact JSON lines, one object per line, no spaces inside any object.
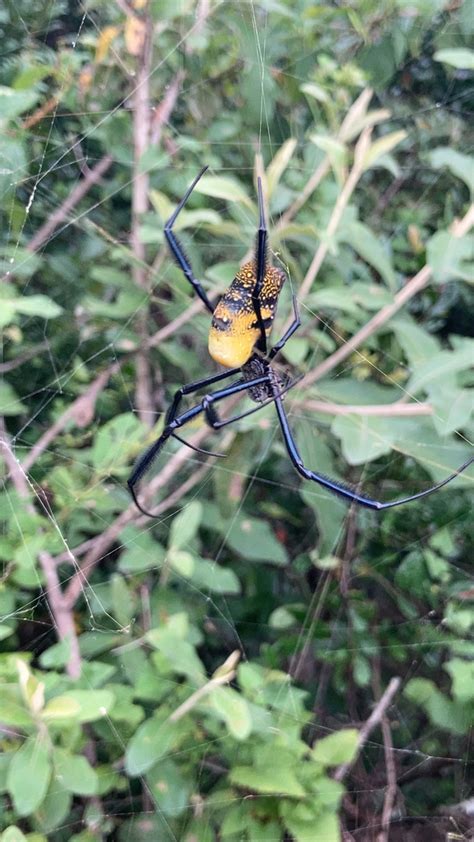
{"x":215,"y":422}
{"x":260,"y":269}
{"x":296,"y":323}
{"x":177,"y":249}
{"x":340,"y":488}
{"x":146,"y":460}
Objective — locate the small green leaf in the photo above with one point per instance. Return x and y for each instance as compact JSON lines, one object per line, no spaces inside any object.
{"x":365,"y":243}
{"x":363,"y":438}
{"x":462,"y":166}
{"x":450,"y":257}
{"x":13,"y":103}
{"x":180,"y":654}
{"x":255,"y":541}
{"x":208,"y":575}
{"x":324,"y":826}
{"x":150,"y":742}
{"x":234,"y":710}
{"x":13,"y":834}
{"x":221,"y":187}
{"x":75,"y":773}
{"x":459,"y":57}
{"x":337,"y":748}
{"x":28,"y":775}
{"x":381,"y":147}
{"x":185,"y":525}
{"x":442,"y":366}
{"x":93,"y":704}
{"x":462,"y":676}
{"x":9,"y":403}
{"x":37,"y":305}
{"x":272,"y":780}
{"x":61,"y":707}
{"x":168,"y":788}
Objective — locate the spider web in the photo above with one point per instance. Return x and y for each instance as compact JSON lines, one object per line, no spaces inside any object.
{"x":251,"y":482}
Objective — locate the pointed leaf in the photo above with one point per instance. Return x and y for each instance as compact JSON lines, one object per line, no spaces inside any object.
{"x":28,"y":775}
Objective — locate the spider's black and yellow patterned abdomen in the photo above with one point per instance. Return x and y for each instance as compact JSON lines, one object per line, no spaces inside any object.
{"x":234,"y":328}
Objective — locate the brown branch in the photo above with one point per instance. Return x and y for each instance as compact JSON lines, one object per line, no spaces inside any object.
{"x":62,"y":613}
{"x":81,"y":411}
{"x":381,"y":410}
{"x":414,"y":286}
{"x":354,"y":114}
{"x":391,"y":771}
{"x":11,"y":365}
{"x":374,"y":719}
{"x":62,"y":212}
{"x":163,"y":111}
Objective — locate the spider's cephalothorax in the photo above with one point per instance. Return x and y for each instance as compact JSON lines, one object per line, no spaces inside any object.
{"x":235,"y":329}
{"x":275,"y":381}
{"x":240,"y":325}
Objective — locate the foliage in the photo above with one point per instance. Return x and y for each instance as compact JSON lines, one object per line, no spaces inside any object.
{"x":125,"y":711}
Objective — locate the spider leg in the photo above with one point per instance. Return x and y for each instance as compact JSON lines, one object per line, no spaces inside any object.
{"x":217,"y":424}
{"x":177,"y":249}
{"x":261,"y":260}
{"x":146,"y":460}
{"x":340,"y":488}
{"x":194,"y":387}
{"x":291,"y":330}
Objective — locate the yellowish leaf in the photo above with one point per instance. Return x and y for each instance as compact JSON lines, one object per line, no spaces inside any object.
{"x":105,"y":39}
{"x":135,"y":34}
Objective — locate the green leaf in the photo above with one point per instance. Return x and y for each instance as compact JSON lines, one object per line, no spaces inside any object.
{"x":363,"y":438}
{"x":13,"y":103}
{"x":185,"y":525}
{"x":366,"y":244}
{"x":37,"y":305}
{"x":54,"y":809}
{"x":254,"y":540}
{"x":442,"y":366}
{"x":234,"y":710}
{"x":180,"y":654}
{"x":381,"y":147}
{"x":168,"y":788}
{"x":122,"y":600}
{"x":28,"y":775}
{"x":324,"y":826}
{"x":112,"y":442}
{"x":443,"y":713}
{"x":208,"y":575}
{"x":75,"y":773}
{"x":462,"y":676}
{"x":450,"y":257}
{"x":140,"y":551}
{"x":59,"y":708}
{"x":459,"y":57}
{"x":452,"y":408}
{"x":13,"y":834}
{"x":93,"y":704}
{"x":150,"y":742}
{"x":337,"y":748}
{"x":462,"y":166}
{"x":221,"y":187}
{"x":9,"y":402}
{"x":273,"y":779}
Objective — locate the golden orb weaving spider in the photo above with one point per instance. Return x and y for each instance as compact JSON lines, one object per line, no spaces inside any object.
{"x":240,"y":326}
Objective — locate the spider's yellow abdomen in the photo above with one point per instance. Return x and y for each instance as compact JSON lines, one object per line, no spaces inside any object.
{"x":234,"y":328}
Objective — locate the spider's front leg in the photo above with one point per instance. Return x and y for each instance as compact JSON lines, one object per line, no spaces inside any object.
{"x":189,"y":388}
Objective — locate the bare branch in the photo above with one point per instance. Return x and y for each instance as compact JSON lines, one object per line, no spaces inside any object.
{"x":388,"y":410}
{"x":62,"y":614}
{"x":374,"y":719}
{"x":62,"y":212}
{"x":81,"y":411}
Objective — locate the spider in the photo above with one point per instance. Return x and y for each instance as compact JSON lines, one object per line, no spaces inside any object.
{"x":238,"y":339}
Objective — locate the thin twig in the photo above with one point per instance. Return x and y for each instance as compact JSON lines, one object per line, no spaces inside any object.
{"x":62,"y":613}
{"x":81,"y":411}
{"x":374,"y":719}
{"x":30,"y":354}
{"x":62,"y":212}
{"x":388,"y":410}
{"x":414,"y":286}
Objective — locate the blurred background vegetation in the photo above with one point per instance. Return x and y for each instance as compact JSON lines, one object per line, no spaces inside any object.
{"x":262,"y":662}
